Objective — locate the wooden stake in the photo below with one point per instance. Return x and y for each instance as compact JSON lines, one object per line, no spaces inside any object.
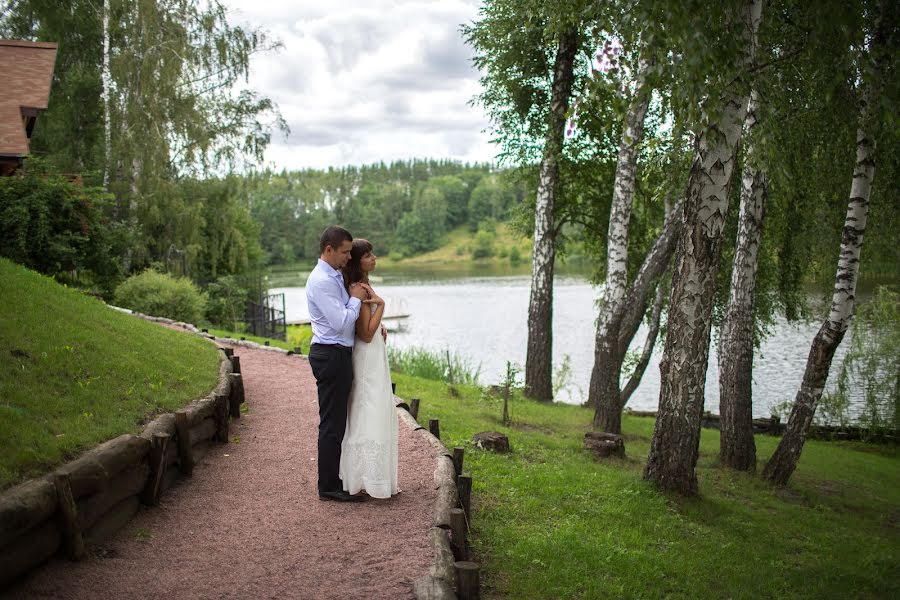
{"x":414,"y":408}
{"x":229,"y":352}
{"x":434,"y":426}
{"x":236,"y":364}
{"x":73,"y":542}
{"x":464,"y":485}
{"x":237,"y":387}
{"x":467,"y":580}
{"x":458,"y":455}
{"x":236,"y":396}
{"x":183,"y":433}
{"x":458,"y":533}
{"x":157,"y":460}
{"x":222,"y":409}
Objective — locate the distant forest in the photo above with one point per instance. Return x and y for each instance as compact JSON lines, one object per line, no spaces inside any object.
{"x":404,"y":207}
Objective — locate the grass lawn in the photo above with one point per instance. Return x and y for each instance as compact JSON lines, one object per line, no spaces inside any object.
{"x":551,"y":522}
{"x":76,"y":372}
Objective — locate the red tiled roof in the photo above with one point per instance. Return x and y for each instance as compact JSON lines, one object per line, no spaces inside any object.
{"x":28,"y":73}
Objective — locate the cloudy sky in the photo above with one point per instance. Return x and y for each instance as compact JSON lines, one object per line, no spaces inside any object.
{"x":365,"y":80}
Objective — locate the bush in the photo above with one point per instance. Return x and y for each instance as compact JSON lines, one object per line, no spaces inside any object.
{"x":515,"y":257}
{"x":226,"y":301}
{"x":58,"y":228}
{"x":162,"y":295}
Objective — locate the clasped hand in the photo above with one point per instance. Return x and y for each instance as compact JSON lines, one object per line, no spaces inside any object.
{"x":365,"y":293}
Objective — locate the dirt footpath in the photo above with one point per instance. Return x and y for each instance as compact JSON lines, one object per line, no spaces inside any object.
{"x":249,"y":523}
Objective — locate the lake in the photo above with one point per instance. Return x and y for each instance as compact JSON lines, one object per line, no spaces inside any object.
{"x":484,"y":317}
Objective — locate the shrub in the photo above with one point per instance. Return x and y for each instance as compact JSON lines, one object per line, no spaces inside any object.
{"x":162,"y":295}
{"x":483,"y":246}
{"x":515,"y":257}
{"x":57,"y":228}
{"x":226,"y":301}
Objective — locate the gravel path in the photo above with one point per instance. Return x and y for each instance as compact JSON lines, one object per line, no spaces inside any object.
{"x":249,"y":523}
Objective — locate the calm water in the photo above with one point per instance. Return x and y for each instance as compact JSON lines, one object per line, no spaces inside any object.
{"x":484,"y":319}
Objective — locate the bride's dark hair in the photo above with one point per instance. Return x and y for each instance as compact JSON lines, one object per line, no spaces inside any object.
{"x":352,"y":271}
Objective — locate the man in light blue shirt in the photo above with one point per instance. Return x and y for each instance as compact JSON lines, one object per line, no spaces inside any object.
{"x":333,"y":312}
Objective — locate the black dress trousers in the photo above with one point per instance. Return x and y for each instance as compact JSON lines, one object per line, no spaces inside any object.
{"x":332,"y":366}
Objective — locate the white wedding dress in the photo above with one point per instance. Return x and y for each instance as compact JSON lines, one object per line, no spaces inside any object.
{"x":369,"y":448}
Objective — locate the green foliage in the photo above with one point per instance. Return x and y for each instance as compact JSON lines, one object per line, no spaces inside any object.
{"x":483,"y":246}
{"x":77,"y":373}
{"x":448,"y":366}
{"x":421,"y":230}
{"x":57,"y":227}
{"x":873,"y":362}
{"x":552,"y":522}
{"x":226,"y":301}
{"x":491,"y":199}
{"x":161,"y":295}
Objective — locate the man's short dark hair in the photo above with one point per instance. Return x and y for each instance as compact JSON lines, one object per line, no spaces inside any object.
{"x":334,"y":236}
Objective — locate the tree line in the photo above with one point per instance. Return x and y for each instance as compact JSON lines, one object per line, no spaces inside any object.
{"x":648,"y":121}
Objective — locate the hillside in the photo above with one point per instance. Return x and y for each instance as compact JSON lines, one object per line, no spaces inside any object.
{"x":76,"y":373}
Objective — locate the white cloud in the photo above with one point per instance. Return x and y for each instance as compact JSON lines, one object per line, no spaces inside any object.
{"x":363,"y":81}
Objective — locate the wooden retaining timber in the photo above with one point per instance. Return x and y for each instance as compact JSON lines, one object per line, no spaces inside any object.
{"x":448,"y":537}
{"x":85,"y":501}
{"x":774,"y":426}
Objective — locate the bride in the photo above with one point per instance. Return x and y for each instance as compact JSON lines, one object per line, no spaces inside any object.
{"x":369,"y":449}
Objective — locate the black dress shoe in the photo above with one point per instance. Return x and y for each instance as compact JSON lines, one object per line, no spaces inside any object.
{"x":340,"y":496}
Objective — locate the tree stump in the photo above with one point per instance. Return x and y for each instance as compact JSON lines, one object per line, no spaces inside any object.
{"x":491,"y":440}
{"x":604,"y":445}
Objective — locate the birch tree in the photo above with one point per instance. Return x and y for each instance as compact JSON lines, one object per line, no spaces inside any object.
{"x":604,"y":390}
{"x":674,"y":448}
{"x":737,"y":448}
{"x":539,"y":354}
{"x":881,"y":61}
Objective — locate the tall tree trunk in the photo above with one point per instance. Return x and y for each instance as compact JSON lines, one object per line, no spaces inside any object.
{"x":783,"y":462}
{"x":106,"y":80}
{"x":608,"y":417}
{"x":539,"y":357}
{"x":737,"y":448}
{"x":676,"y":438}
{"x":604,"y":389}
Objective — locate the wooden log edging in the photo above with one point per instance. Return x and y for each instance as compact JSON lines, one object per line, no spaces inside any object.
{"x":439,"y":582}
{"x":86,"y":500}
{"x":774,"y":426}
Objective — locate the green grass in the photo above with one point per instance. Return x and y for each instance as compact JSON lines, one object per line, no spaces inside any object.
{"x":551,"y":522}
{"x":76,"y":372}
{"x":421,"y":362}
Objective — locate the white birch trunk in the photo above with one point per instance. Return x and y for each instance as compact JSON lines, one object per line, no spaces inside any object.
{"x":783,"y":462}
{"x":539,"y":355}
{"x":604,"y":390}
{"x":105,"y":79}
{"x":737,"y":448}
{"x":672,"y":461}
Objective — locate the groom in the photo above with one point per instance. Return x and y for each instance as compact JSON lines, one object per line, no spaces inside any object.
{"x":332,"y":312}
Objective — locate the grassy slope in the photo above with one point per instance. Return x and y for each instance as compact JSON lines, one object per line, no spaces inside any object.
{"x":75,"y":373}
{"x":551,"y":522}
{"x":457,"y":245}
